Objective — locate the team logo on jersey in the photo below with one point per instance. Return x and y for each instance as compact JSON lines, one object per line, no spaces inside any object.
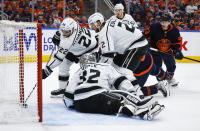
{"x":163,"y":45}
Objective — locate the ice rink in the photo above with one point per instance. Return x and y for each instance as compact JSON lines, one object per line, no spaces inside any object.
{"x":182,"y":109}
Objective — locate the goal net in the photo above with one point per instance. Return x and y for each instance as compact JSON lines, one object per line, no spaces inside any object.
{"x":20,"y":72}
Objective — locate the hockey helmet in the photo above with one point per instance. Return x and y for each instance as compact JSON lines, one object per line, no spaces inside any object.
{"x":68,"y":26}
{"x":94,"y":18}
{"x":165,"y":21}
{"x":88,"y":58}
{"x":165,"y":17}
{"x":119,"y":7}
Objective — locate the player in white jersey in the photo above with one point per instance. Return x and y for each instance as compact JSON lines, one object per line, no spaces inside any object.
{"x":124,"y":40}
{"x":90,"y":91}
{"x":122,"y":16}
{"x":95,"y":20}
{"x":73,"y":41}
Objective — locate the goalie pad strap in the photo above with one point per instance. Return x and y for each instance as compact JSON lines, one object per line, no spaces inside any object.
{"x":134,"y":82}
{"x":69,"y":95}
{"x":63,"y":78}
{"x":118,"y":81}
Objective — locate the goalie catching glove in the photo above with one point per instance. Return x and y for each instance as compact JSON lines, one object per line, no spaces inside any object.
{"x":46,"y":72}
{"x":56,"y":38}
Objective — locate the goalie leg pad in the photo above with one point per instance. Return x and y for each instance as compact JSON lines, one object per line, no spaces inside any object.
{"x":136,"y":101}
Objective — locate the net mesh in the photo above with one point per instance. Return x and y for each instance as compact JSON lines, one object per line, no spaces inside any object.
{"x":18,"y":72}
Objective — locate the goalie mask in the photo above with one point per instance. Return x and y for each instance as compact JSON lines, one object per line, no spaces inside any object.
{"x":88,"y":58}
{"x":94,"y":19}
{"x":68,"y":27}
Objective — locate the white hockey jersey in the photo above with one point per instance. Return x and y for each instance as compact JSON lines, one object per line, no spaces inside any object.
{"x":127,"y":19}
{"x":80,"y":42}
{"x":94,"y":79}
{"x":120,"y":37}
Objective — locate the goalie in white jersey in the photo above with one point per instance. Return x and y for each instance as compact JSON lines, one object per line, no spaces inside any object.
{"x":72,"y":41}
{"x":122,"y":16}
{"x":90,"y":91}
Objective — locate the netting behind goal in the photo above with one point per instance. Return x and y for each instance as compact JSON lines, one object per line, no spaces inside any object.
{"x":20,"y":72}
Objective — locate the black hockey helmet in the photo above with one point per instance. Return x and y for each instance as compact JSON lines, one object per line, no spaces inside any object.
{"x":165,"y":17}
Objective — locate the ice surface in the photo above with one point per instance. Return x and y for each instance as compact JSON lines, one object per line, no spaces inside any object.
{"x":182,"y":110}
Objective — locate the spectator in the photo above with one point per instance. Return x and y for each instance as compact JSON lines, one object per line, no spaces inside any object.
{"x":191,"y":25}
{"x":50,"y":23}
{"x":16,"y":17}
{"x":190,"y":9}
{"x":185,"y":21}
{"x":24,"y":4}
{"x":57,"y":19}
{"x":176,"y":20}
{"x":72,"y":7}
{"x":83,"y":22}
{"x":26,"y":15}
{"x":41,"y":20}
{"x":157,"y":11}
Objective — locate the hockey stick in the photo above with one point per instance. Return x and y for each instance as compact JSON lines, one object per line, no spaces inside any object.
{"x":174,"y":54}
{"x":36,"y":83}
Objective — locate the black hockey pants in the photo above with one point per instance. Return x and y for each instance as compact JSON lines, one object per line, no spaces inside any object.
{"x":104,"y":103}
{"x":131,"y":58}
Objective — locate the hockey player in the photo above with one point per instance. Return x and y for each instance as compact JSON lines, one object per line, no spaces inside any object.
{"x":122,"y":39}
{"x":73,"y":41}
{"x":166,"y":38}
{"x":142,"y":72}
{"x":122,"y":16}
{"x":91,"y":92}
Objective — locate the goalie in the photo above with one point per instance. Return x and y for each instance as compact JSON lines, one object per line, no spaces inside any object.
{"x":91,"y":91}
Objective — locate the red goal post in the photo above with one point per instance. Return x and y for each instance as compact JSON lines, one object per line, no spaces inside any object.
{"x":21,"y":69}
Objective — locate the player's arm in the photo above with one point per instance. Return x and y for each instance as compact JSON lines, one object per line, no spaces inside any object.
{"x":175,"y":46}
{"x":56,"y":61}
{"x":56,"y":38}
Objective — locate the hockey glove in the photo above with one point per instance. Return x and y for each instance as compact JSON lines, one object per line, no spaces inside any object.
{"x":179,"y":55}
{"x":46,"y":72}
{"x":56,"y":38}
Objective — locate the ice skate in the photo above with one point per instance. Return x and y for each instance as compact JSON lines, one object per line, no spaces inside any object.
{"x":163,"y":87}
{"x":57,"y":93}
{"x":172,"y":82}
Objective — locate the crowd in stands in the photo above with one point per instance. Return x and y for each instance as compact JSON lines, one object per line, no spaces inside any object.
{"x":185,"y":14}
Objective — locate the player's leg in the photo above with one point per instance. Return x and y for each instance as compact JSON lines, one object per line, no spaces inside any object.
{"x":171,"y":67}
{"x":63,"y":78}
{"x":104,"y":103}
{"x":131,"y":58}
{"x":142,"y":107}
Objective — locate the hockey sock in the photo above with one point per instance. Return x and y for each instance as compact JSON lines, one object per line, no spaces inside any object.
{"x":149,"y":90}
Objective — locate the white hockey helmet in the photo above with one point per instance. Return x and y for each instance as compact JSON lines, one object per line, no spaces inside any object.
{"x":68,"y":25}
{"x":119,"y":7}
{"x":88,"y":58}
{"x":94,"y":18}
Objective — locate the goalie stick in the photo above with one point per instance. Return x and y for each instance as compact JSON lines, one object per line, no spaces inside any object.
{"x":24,"y":104}
{"x":174,"y":54}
